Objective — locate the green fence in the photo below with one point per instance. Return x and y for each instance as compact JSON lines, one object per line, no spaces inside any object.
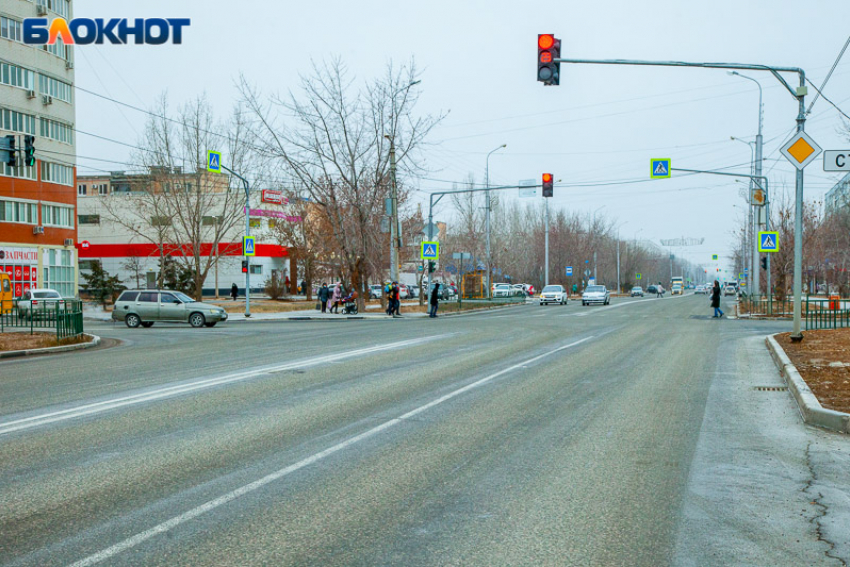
{"x":65,"y":317}
{"x":827,"y":313}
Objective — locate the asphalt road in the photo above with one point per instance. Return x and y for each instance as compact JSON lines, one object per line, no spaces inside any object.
{"x":631,"y":434}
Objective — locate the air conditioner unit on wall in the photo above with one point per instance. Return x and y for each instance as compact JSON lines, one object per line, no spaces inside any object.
{"x":41,"y":9}
{"x":69,"y":65}
{"x":47,"y":99}
{"x":69,"y":242}
{"x":38,"y":230}
{"x":30,"y":94}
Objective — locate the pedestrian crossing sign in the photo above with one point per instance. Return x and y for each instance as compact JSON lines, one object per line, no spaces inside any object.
{"x":659,"y":168}
{"x":214,"y":161}
{"x":430,"y":251}
{"x":638,"y":276}
{"x":768,"y":241}
{"x":248,"y":247}
{"x":714,"y":256}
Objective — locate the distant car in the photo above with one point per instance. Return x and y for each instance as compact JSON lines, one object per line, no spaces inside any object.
{"x":146,"y":306}
{"x":677,"y":289}
{"x":502,"y":290}
{"x":375,"y":291}
{"x":553,"y":294}
{"x":443,"y":293}
{"x":651,"y":289}
{"x":413,"y":290}
{"x":39,"y":302}
{"x":596,"y":294}
{"x":730,"y":290}
{"x":637,"y":291}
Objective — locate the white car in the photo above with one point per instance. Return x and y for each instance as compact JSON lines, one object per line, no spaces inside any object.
{"x":596,"y":294}
{"x":553,"y":294}
{"x":503,"y":290}
{"x":637,"y":291}
{"x":39,"y":302}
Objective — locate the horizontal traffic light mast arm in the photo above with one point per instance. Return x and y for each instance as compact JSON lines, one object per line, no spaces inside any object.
{"x":432,"y":202}
{"x":736,"y":66}
{"x":759,"y":178}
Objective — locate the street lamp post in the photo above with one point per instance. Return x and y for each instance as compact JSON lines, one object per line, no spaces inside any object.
{"x":487,"y":207}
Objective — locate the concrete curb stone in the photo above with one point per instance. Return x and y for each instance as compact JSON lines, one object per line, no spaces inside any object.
{"x":811,"y":410}
{"x":95,"y":340}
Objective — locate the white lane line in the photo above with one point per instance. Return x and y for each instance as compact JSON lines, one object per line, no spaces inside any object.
{"x":131,"y":542}
{"x":195,"y":385}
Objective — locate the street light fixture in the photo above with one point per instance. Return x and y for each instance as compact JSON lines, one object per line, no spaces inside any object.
{"x":487,"y":207}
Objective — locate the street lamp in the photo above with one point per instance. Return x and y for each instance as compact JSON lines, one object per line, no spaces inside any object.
{"x":754,"y":267}
{"x":395,"y":232}
{"x":487,"y":207}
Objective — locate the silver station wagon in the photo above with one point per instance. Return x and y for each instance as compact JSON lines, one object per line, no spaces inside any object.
{"x":145,"y":307}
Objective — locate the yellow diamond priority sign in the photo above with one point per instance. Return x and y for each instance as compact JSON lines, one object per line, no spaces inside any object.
{"x":800,"y":150}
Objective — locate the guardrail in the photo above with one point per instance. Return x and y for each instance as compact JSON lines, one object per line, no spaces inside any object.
{"x":65,"y":317}
{"x":826,"y":313}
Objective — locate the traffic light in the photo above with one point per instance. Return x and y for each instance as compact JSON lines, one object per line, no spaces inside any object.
{"x":12,"y":157}
{"x":548,"y":49}
{"x":764,"y":263}
{"x":548,"y":185}
{"x":244,"y":266}
{"x":29,"y":151}
{"x":432,"y":266}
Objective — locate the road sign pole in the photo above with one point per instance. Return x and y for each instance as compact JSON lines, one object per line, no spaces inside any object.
{"x":247,"y":233}
{"x":797,"y":334}
{"x":546,"y":240}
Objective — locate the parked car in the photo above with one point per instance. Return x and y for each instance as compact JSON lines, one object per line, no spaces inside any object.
{"x":147,"y":306}
{"x":37,"y":302}
{"x":596,"y":294}
{"x":502,"y":290}
{"x":443,"y":293}
{"x":553,"y":294}
{"x":637,"y":291}
{"x":375,"y":291}
{"x":413,"y":291}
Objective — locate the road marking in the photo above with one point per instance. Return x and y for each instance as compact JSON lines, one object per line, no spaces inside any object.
{"x":174,"y":522}
{"x":195,"y":385}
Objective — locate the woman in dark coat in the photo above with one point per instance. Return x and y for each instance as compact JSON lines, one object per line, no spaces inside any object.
{"x":234,"y":291}
{"x":715,"y":299}
{"x":324,"y":295}
{"x":435,"y":298}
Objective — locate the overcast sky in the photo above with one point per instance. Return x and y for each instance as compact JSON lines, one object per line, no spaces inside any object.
{"x":601,"y":125}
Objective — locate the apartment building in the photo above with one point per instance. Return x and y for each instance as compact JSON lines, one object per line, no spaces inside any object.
{"x":38,"y":228}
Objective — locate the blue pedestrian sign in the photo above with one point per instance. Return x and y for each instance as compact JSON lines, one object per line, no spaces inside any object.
{"x":768,"y":241}
{"x":430,"y":251}
{"x":569,"y":271}
{"x":214,"y":161}
{"x":659,"y":168}
{"x":248,"y":246}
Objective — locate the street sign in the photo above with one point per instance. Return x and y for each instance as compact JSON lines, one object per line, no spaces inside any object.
{"x":568,"y":271}
{"x":214,"y":161}
{"x":461,"y":256}
{"x":248,"y":246}
{"x":836,"y":160}
{"x":587,"y":273}
{"x":768,"y":241}
{"x":659,"y":168}
{"x":758,"y":198}
{"x":527,"y":188}
{"x":430,"y":251}
{"x":800,"y":150}
{"x":714,"y":256}
{"x":638,"y":276}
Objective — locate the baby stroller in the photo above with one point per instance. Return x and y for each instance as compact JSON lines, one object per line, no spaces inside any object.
{"x":349,"y":304}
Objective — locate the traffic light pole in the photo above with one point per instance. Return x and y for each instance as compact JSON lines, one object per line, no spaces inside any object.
{"x":800,"y":94}
{"x":247,"y":233}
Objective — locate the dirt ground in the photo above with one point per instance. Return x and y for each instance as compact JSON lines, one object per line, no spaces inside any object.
{"x":24,"y":341}
{"x":823,"y":359}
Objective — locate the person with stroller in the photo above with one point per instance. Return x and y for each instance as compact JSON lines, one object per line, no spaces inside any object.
{"x":349,"y":303}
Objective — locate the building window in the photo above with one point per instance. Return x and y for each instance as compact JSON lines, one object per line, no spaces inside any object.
{"x":57,"y":131}
{"x":22,"y":171}
{"x":256,"y":268}
{"x":81,"y":189}
{"x":59,"y":90}
{"x":17,"y":121}
{"x":58,"y":49}
{"x":160,"y":221}
{"x":57,"y":173}
{"x":18,"y":211}
{"x":87,"y":264}
{"x":17,"y":76}
{"x":11,"y":29}
{"x":58,"y":6}
{"x":102,"y":189}
{"x":60,"y":274}
{"x":57,"y":215}
{"x":209,"y":221}
{"x":255,"y":223}
{"x":88,"y":219}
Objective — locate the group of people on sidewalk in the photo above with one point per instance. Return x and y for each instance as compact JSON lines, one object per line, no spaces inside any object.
{"x":394,"y":300}
{"x":330,"y":301}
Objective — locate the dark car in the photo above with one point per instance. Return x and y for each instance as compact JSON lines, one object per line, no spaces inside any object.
{"x":651,"y":289}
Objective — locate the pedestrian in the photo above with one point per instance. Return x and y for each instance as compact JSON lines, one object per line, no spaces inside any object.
{"x":303,"y":287}
{"x":659,"y":290}
{"x":234,"y":291}
{"x":435,"y":298}
{"x":396,"y":295}
{"x":324,"y":294}
{"x":336,"y":298}
{"x":715,"y":299}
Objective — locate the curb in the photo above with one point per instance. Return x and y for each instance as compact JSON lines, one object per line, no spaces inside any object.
{"x":95,"y":340}
{"x":810,"y":409}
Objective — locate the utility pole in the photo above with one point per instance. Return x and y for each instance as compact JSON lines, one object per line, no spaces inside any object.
{"x":618,"y":262}
{"x":594,"y":268}
{"x":247,"y":233}
{"x":395,"y":238}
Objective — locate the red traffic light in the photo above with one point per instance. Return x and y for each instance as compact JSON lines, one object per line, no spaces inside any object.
{"x":548,"y":52}
{"x":548,"y":185}
{"x":546,"y":57}
{"x":547,"y":178}
{"x":545,"y":40}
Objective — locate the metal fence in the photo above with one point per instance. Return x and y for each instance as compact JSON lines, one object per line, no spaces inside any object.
{"x":767,"y":307}
{"x":830,"y":313}
{"x":65,"y":317}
